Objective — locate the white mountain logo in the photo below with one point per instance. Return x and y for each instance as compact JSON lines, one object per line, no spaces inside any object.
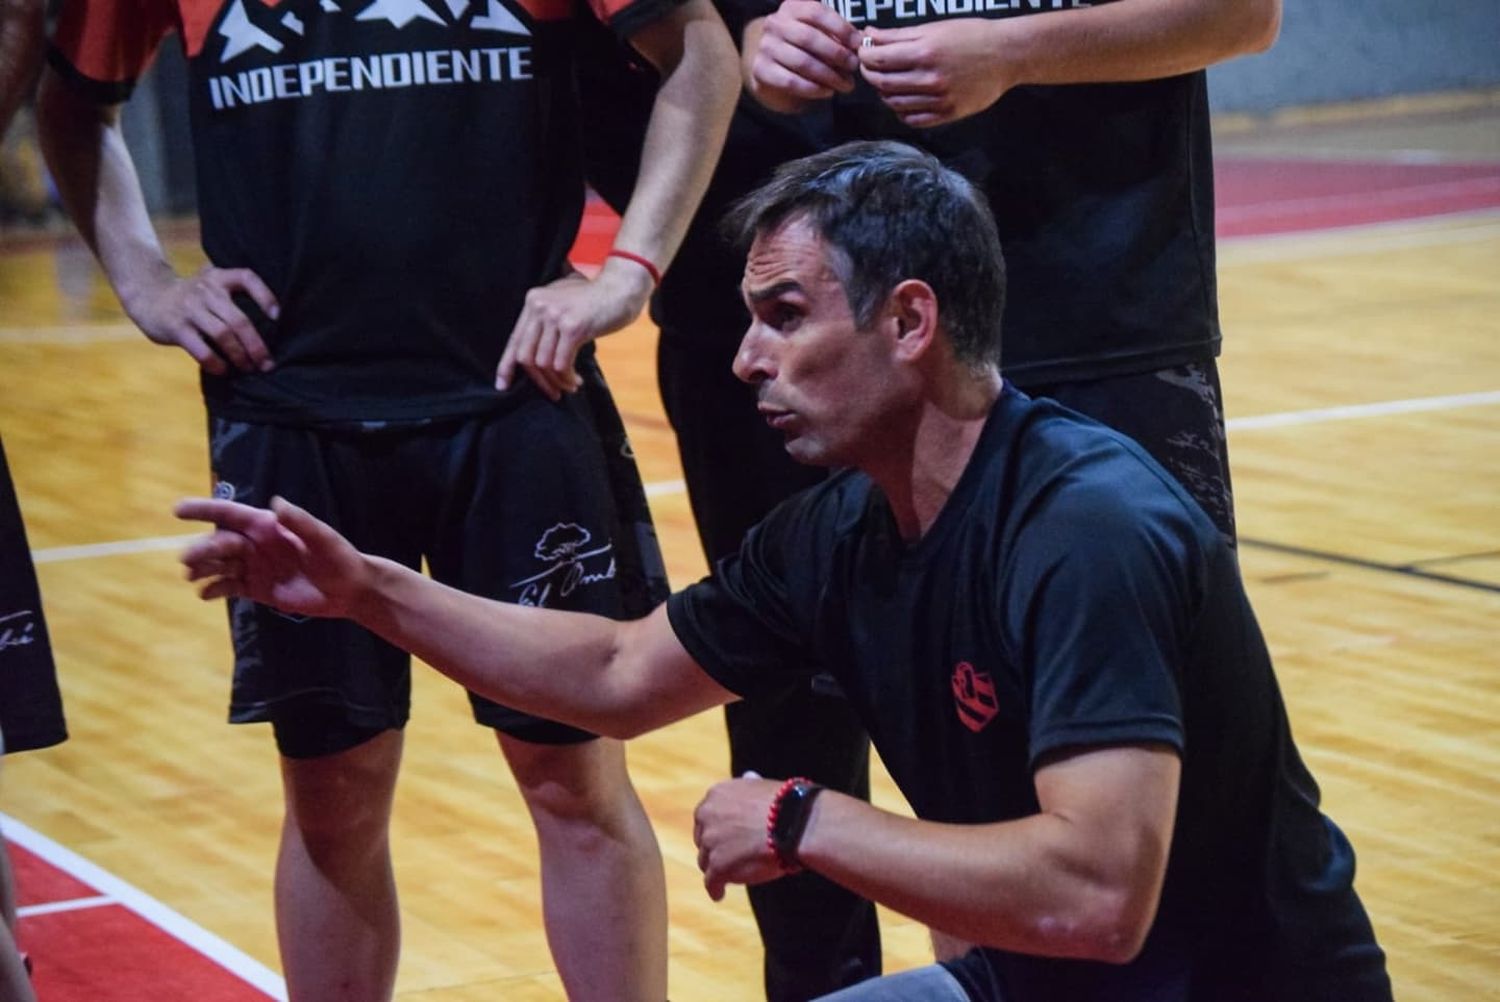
{"x":241,"y":34}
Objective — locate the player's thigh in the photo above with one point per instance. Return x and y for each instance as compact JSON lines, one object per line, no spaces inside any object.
{"x":325,"y":683}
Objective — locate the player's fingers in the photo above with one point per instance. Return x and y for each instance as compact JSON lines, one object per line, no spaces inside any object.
{"x":794,"y":68}
{"x":229,"y":515}
{"x":221,"y":588}
{"x":906,"y":83}
{"x":713,"y":883}
{"x":251,"y":283}
{"x":188,"y":338}
{"x":216,"y":330}
{"x":241,"y":329}
{"x":200,"y":569}
{"x":219,"y":545}
{"x":300,"y":527}
{"x":546,"y":381}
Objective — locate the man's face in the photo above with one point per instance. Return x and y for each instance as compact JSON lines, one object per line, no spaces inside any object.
{"x":822,"y":382}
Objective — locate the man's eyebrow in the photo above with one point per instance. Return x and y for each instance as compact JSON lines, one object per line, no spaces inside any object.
{"x":772,"y":291}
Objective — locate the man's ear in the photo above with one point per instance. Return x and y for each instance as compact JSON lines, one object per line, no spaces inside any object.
{"x":914,"y":308}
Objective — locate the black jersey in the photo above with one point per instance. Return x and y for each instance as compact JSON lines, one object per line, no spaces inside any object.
{"x":399,"y":172}
{"x":1102,"y":193}
{"x":1069,"y":594}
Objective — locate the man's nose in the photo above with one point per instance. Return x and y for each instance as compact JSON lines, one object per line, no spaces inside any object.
{"x":751,"y":363}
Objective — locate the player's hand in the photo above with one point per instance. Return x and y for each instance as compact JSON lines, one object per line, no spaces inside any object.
{"x":280,"y":556}
{"x":199,"y":316}
{"x":561,"y":317}
{"x":940,"y":72}
{"x":807,"y":52}
{"x":729,"y":829}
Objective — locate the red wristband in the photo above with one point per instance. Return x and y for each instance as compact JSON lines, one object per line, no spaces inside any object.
{"x":651,"y":269}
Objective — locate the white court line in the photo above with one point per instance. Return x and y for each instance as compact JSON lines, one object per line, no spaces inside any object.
{"x":185,"y":931}
{"x":76,"y":904}
{"x":87,"y":551}
{"x":1353,"y":411}
{"x":667,"y":488}
{"x":77,"y":334}
{"x":1364,"y":238}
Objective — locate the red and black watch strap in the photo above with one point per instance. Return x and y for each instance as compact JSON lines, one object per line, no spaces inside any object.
{"x":787,"y":820}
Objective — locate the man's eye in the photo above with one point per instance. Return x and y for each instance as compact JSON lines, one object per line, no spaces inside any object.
{"x":783,"y":316}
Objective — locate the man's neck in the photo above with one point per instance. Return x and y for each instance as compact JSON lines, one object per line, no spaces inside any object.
{"x":917,"y":480}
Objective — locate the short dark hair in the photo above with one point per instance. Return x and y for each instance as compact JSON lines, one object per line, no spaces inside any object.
{"x":892,"y":213}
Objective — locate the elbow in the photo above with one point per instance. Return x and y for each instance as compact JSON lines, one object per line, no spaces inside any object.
{"x":1261,"y":26}
{"x":1112,"y":930}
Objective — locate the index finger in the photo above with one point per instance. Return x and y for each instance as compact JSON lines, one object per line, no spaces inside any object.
{"x":824,"y":18}
{"x":230,"y":515}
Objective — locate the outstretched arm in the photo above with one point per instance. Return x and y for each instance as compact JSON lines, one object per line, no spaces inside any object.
{"x":91,"y":164}
{"x":699,"y":85}
{"x":610,"y":677}
{"x":1081,"y":878}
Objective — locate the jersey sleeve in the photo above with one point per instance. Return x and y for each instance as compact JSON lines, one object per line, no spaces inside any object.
{"x":626,"y":17}
{"x":749,"y":625}
{"x":1100,"y":606}
{"x":103,"y":46}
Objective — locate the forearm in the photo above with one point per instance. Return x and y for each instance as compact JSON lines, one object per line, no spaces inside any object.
{"x":584,"y":670}
{"x":21,"y":28}
{"x":1030,"y":885}
{"x":683,"y":139}
{"x":91,"y":165}
{"x":1133,"y":39}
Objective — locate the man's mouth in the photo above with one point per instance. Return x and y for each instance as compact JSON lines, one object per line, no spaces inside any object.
{"x":776,"y":417}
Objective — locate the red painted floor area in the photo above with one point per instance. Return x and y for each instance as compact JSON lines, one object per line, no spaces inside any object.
{"x":103,"y":950}
{"x":1257,"y":197}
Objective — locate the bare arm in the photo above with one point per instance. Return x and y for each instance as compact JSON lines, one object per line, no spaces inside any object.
{"x":697,"y":60}
{"x":944,"y":70}
{"x":1081,"y":878}
{"x":85,"y":149}
{"x":21,"y":27}
{"x":610,"y":677}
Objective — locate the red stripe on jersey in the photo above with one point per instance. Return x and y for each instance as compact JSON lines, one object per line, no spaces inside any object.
{"x":548,"y":10}
{"x":113,"y":41}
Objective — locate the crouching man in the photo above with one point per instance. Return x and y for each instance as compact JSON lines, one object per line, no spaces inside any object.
{"x":1047,"y":639}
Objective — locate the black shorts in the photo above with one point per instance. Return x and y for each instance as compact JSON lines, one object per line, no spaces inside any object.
{"x":538,"y":504}
{"x":31,"y":713}
{"x":1176,"y":414}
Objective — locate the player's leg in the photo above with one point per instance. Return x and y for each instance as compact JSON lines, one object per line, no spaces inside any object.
{"x":1177,"y":415}
{"x":337,"y":916}
{"x":15,"y":982}
{"x":543,"y":507}
{"x":604,"y":895}
{"x":337,"y":697}
{"x":31,"y":714}
{"x":817,"y":935}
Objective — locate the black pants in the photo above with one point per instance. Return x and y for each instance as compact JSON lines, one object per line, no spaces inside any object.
{"x":818,"y":937}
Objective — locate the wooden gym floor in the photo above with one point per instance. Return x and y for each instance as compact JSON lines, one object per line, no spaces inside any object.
{"x":1362,"y":377}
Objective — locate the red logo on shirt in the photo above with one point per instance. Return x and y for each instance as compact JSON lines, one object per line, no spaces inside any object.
{"x":974,"y":697}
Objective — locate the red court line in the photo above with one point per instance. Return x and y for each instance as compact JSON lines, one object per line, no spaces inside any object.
{"x":1261,"y":196}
